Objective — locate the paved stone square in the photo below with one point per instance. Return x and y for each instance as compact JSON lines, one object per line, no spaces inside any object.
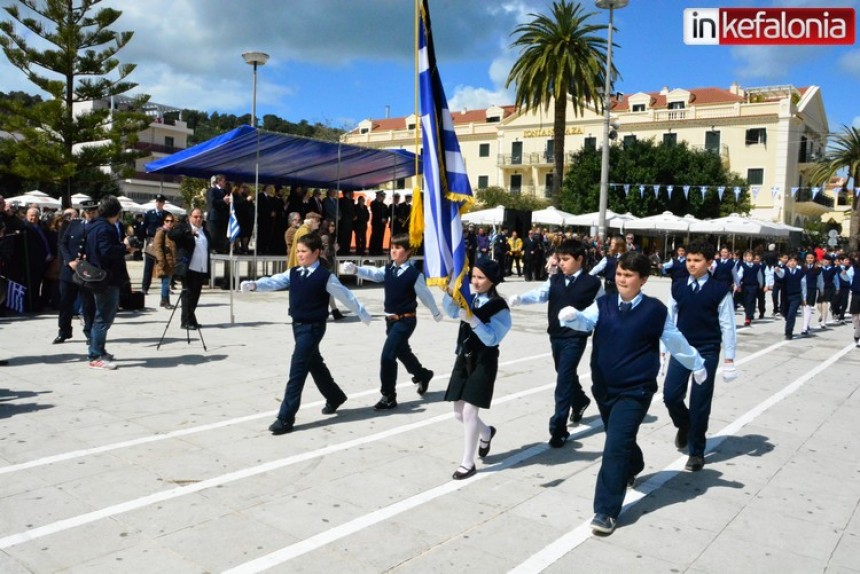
{"x":165,"y":465}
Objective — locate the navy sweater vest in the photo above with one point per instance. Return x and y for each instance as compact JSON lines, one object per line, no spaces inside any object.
{"x":811,"y":274}
{"x":678,"y":270}
{"x":625,"y":356}
{"x":828,"y":273}
{"x":791,"y":281}
{"x":609,"y":270}
{"x":855,"y":281}
{"x":467,"y":340}
{"x":699,"y":313}
{"x":308,"y":296}
{"x":400,"y":295}
{"x":843,"y":283}
{"x":723,"y":271}
{"x":750,"y":278}
{"x":579,"y":294}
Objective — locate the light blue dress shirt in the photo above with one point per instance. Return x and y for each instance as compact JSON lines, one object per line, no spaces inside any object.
{"x":333,"y":286}
{"x":490,"y":334}
{"x":726,"y":312}
{"x":671,"y":338}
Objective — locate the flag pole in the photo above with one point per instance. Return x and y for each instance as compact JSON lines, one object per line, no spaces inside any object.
{"x":230,"y":283}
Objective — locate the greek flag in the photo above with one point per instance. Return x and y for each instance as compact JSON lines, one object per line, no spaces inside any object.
{"x":447,"y":192}
{"x":232,"y":225}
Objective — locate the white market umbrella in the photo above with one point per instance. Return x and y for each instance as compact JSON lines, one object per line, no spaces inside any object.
{"x":666,"y":222}
{"x":37,"y":193}
{"x":78,"y":198}
{"x":551,"y":216}
{"x":492,"y":216}
{"x":129,"y":205}
{"x":40,"y":201}
{"x":615,"y":220}
{"x":174,"y":209}
{"x":734,"y":224}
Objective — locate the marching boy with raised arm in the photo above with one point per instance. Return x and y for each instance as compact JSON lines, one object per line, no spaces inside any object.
{"x":625,"y":360}
{"x":404,"y":285}
{"x":310,"y":285}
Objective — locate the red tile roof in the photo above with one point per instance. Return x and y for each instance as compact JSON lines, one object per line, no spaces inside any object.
{"x":467,"y":117}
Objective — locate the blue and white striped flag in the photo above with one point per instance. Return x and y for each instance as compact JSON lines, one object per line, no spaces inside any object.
{"x":232,"y":225}
{"x":447,"y":192}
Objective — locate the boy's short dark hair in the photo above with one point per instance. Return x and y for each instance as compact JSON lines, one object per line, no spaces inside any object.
{"x":109,"y":206}
{"x":312,"y":241}
{"x":794,"y":256}
{"x":401,"y":240}
{"x":636,"y":262}
{"x":572,"y":247}
{"x":706,"y":250}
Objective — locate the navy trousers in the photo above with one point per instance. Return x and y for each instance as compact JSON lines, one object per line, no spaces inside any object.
{"x":566,"y":354}
{"x":69,"y":294}
{"x":622,"y":457}
{"x":307,"y":359}
{"x":790,"y":305}
{"x":396,"y":348}
{"x":749,"y":299}
{"x":695,"y":418}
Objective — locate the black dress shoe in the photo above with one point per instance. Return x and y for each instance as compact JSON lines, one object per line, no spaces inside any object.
{"x":336,"y":314}
{"x":458,"y":475}
{"x":681,"y":438}
{"x":60,"y":339}
{"x":557,"y":441}
{"x":331,"y":408}
{"x":423,"y":382}
{"x":386,"y":403}
{"x":576,"y":415}
{"x":280,"y":426}
{"x":485,"y":450}
{"x":695,"y":463}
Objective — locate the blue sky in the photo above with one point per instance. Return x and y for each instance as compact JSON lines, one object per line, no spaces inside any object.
{"x":340,"y":61}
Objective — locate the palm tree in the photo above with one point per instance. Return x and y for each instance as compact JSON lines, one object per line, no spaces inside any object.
{"x":844,"y":153}
{"x":561,"y":56}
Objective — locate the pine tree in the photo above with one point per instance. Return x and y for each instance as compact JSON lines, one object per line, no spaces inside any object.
{"x":53,"y":143}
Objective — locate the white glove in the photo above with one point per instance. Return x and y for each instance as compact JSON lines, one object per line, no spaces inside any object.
{"x":364,"y":316}
{"x":514,"y":301}
{"x":348,"y":268}
{"x":567,"y":314}
{"x":700,"y":376}
{"x":473,"y":321}
{"x":246,"y":286}
{"x":464,"y":315}
{"x":438,"y":317}
{"x":730,"y":372}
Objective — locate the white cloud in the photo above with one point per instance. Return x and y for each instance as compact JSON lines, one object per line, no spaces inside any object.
{"x":856,"y":122}
{"x":772,"y":62}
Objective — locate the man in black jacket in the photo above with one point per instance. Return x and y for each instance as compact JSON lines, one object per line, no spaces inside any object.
{"x":218,"y":201}
{"x":192,"y":263}
{"x":106,"y":249}
{"x":69,"y":247}
{"x":378,"y":222}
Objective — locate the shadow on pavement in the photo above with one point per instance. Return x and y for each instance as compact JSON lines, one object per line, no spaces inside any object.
{"x":9,"y":409}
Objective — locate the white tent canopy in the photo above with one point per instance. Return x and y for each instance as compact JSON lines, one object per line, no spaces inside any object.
{"x":735,"y":224}
{"x":80,"y":197}
{"x":174,"y":209}
{"x":492,"y":216}
{"x":129,"y":205}
{"x":40,"y":201}
{"x":613,"y":220}
{"x":665,"y":222}
{"x":552,"y":216}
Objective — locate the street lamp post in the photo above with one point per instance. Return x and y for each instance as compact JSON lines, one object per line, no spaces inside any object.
{"x":256,"y":59}
{"x":604,"y":163}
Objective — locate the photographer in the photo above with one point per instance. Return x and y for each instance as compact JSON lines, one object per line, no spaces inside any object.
{"x":192,"y":263}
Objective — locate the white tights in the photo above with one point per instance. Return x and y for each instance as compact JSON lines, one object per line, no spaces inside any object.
{"x":856,"y":320}
{"x":473,"y":429}
{"x":807,"y":317}
{"x":823,"y":308}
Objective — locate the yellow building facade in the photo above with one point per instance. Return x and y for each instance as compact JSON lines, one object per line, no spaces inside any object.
{"x":769,"y":135}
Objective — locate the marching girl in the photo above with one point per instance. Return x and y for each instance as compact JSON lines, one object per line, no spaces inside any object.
{"x":470,"y":387}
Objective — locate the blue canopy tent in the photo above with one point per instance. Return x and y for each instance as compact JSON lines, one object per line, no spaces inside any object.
{"x":288,"y":159}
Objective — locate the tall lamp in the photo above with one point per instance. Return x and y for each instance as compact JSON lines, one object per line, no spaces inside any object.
{"x":256,"y":59}
{"x":612,"y":5}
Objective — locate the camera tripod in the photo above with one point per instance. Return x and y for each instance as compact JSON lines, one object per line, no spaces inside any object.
{"x":181,"y":301}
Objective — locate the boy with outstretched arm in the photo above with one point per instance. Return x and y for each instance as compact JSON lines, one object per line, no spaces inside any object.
{"x":310,"y":286}
{"x":571,"y":287}
{"x":703,"y":310}
{"x":404,"y":285}
{"x":625,"y":360}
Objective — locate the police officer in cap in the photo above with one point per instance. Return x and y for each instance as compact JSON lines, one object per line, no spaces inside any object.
{"x":153,"y":219}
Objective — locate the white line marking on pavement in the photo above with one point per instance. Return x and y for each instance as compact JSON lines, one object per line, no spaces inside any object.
{"x":556,"y":550}
{"x":71,"y":455}
{"x":321,"y":539}
{"x":81,"y":519}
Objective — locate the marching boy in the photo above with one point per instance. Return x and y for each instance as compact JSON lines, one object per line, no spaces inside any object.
{"x":576,"y":288}
{"x":310,"y":285}
{"x":625,"y":360}
{"x":404,"y":285}
{"x":703,"y":310}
